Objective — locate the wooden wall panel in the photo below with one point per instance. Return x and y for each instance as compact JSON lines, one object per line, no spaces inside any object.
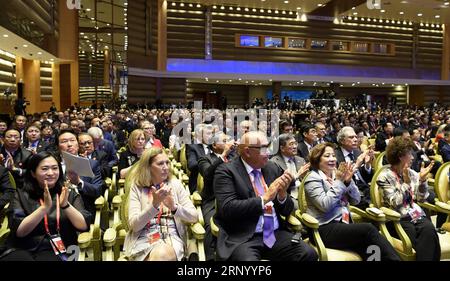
{"x":186,"y":27}
{"x":185,"y":32}
{"x":237,"y":95}
{"x":141,"y":89}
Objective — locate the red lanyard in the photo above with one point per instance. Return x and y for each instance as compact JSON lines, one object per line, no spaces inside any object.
{"x":263,"y":182}
{"x":57,"y":215}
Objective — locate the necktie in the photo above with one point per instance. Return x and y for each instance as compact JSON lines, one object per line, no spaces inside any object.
{"x":291,"y":165}
{"x":351,"y":156}
{"x":268,"y":226}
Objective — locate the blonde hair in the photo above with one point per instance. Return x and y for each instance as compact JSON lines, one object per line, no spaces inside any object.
{"x":141,"y":174}
{"x":132,"y":138}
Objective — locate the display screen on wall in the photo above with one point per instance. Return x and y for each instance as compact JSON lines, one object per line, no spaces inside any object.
{"x":319,"y":44}
{"x":380,"y":48}
{"x":339,"y":46}
{"x":273,"y":42}
{"x":296,"y":43}
{"x":249,"y":41}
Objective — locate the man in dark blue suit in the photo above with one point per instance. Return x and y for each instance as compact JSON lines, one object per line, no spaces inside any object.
{"x":252,"y":196}
{"x":89,"y":188}
{"x":101,"y":144}
{"x":444,"y":145}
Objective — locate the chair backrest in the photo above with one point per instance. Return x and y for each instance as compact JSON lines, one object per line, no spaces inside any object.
{"x":11,"y":180}
{"x":302,"y":204}
{"x":376,"y":194}
{"x":183,"y":159}
{"x":125,"y":197}
{"x":200,"y":183}
{"x":441,"y":182}
{"x":379,"y":160}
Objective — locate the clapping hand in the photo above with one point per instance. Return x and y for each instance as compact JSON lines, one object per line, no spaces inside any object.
{"x":64,"y":197}
{"x":47,"y":198}
{"x":424,"y":171}
{"x":159,"y":195}
{"x":345,"y":172}
{"x":279,"y":186}
{"x":303,"y":170}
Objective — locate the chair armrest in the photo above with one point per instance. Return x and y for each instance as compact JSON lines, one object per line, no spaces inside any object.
{"x":196,"y":198}
{"x":109,"y":238}
{"x":84,"y":240}
{"x":214,"y":227}
{"x":375,"y":214}
{"x":99,"y":202}
{"x":427,"y":205}
{"x":442,"y":207}
{"x":117,"y":200}
{"x":294,"y":223}
{"x":390,"y":214}
{"x":372,"y":214}
{"x":198,"y":231}
{"x":308,"y":220}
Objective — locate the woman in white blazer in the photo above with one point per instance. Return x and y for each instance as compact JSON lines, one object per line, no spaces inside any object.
{"x":158,"y":210}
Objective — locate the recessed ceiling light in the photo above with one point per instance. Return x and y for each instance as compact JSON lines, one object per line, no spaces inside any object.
{"x":5,"y":35}
{"x":286,"y":2}
{"x":355,"y":13}
{"x":88,"y":9}
{"x":319,"y":5}
{"x":401,"y":13}
{"x":437,"y":16}
{"x":353,"y":8}
{"x":39,"y":53}
{"x":447,"y":3}
{"x":25,"y":45}
{"x":420,"y":14}
{"x":383,"y":11}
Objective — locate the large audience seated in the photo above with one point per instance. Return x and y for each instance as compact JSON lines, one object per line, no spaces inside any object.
{"x":230,"y":171}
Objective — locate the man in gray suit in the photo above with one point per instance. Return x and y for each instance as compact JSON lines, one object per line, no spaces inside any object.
{"x":287,"y":159}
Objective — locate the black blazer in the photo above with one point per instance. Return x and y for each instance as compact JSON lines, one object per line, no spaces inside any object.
{"x":238,"y":208}
{"x":23,"y":205}
{"x":380,"y":141}
{"x":362,"y":170}
{"x":6,"y":189}
{"x":102,"y":158}
{"x":193,"y":153}
{"x":302,"y":151}
{"x":21,"y":157}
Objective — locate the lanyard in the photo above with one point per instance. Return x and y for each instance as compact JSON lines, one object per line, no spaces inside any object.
{"x":57,"y":215}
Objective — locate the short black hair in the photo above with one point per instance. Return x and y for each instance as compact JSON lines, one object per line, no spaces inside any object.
{"x":64,"y":131}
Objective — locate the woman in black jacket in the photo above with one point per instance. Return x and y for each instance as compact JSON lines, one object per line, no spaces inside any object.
{"x":46,"y":215}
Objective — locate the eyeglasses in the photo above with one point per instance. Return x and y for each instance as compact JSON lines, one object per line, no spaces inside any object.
{"x":86,"y":143}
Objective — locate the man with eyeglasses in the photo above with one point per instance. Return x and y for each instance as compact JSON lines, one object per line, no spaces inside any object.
{"x":13,"y":157}
{"x":87,"y":150}
{"x":287,"y":160}
{"x":89,"y":188}
{"x":252,"y":196}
